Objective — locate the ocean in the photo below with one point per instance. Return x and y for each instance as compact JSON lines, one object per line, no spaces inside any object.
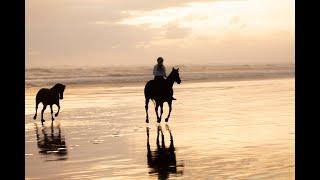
{"x":228,"y":122}
{"x":38,"y":77}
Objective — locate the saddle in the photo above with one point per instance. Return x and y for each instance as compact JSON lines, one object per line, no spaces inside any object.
{"x":161,"y":89}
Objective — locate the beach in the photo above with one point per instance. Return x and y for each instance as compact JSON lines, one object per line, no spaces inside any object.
{"x":222,"y":126}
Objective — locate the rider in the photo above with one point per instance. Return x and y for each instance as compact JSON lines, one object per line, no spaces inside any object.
{"x":159,"y":72}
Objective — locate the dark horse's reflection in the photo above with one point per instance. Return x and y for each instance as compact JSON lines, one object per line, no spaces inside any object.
{"x":162,"y":161}
{"x":51,"y":141}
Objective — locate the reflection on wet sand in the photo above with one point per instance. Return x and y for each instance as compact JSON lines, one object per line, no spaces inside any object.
{"x":162,"y":161}
{"x":51,"y":141}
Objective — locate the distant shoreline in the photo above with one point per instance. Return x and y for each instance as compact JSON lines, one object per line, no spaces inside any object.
{"x":133,"y":84}
{"x":115,"y":76}
{"x":216,"y":66}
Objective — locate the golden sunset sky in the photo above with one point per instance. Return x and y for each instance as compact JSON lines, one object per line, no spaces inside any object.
{"x":119,"y":32}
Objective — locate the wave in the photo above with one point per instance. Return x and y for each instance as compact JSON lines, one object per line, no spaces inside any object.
{"x":36,"y":77}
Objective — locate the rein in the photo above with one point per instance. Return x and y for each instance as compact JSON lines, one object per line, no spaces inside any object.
{"x":170,"y":80}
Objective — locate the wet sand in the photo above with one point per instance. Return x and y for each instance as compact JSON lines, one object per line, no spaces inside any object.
{"x":219,"y":130}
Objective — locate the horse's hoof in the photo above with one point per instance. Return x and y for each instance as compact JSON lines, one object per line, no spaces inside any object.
{"x":147,"y":121}
{"x":56,"y":115}
{"x":166,"y":119}
{"x":34,"y":117}
{"x":52,"y":119}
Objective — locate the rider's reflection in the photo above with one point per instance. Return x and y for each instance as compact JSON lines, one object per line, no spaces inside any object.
{"x":162,"y":161}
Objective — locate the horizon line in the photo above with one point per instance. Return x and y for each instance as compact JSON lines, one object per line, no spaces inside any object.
{"x":168,"y":65}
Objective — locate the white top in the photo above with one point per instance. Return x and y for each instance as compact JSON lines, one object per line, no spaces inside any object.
{"x":160,"y":72}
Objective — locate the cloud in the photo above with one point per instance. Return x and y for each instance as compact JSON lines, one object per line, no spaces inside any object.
{"x":173,"y":31}
{"x":88,"y":32}
{"x":147,"y":5}
{"x":234,"y":20}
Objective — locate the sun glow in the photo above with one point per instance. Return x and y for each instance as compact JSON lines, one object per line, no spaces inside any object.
{"x":89,"y":32}
{"x":208,"y":18}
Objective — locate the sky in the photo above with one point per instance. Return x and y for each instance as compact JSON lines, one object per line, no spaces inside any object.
{"x":118,"y":32}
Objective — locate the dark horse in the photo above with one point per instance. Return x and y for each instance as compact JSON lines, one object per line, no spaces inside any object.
{"x":49,"y":97}
{"x":160,"y":92}
{"x":162,"y":161}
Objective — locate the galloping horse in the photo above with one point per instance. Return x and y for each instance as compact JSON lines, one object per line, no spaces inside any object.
{"x":160,"y":93}
{"x":49,"y":97}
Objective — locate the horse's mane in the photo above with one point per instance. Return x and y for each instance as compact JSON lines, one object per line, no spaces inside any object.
{"x":58,"y":86}
{"x":171,"y":74}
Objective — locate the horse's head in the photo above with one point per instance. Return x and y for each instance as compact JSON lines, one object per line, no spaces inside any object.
{"x":59,"y":88}
{"x":175,"y":75}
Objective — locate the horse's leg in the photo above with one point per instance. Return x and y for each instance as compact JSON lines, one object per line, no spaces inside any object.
{"x":58,"y":109}
{"x":171,"y":147}
{"x":59,"y":130}
{"x":170,"y":108}
{"x":52,"y":130}
{"x":149,"y":155}
{"x":37,"y":132}
{"x":35,"y":115}
{"x":156,"y":109}
{"x":146,"y":106}
{"x":148,"y":143}
{"x":161,"y":110}
{"x":51,"y":112}
{"x":162,"y":140}
{"x":44,"y":108}
{"x":158,"y":133}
